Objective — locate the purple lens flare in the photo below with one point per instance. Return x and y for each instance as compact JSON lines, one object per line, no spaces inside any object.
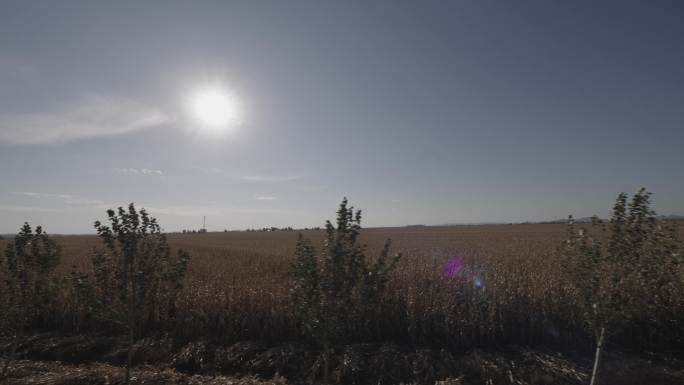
{"x":453,"y":267}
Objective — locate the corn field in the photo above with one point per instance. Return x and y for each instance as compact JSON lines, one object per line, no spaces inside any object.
{"x":512,"y":290}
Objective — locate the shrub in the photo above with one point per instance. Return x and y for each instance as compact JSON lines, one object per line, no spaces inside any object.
{"x":30,"y":286}
{"x":339,"y":288}
{"x":629,"y":265}
{"x":135,"y":280}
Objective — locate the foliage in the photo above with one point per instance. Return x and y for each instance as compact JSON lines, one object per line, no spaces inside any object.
{"x":340,"y":288}
{"x":627,"y":271}
{"x":30,"y":286}
{"x":135,"y":280}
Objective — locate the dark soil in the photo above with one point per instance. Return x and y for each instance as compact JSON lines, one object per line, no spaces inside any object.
{"x":86,"y":359}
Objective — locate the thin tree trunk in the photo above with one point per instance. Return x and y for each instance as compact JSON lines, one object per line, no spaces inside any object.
{"x":131,"y":337}
{"x":599,"y":346}
{"x":129,"y":357}
{"x":326,"y":365}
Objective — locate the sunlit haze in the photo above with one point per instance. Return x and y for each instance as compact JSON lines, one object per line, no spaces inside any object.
{"x":215,"y":108}
{"x":267,"y":113}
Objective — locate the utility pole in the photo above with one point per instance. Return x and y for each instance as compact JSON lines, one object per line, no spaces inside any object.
{"x":204,"y":223}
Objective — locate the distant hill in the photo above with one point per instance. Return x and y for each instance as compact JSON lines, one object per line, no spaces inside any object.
{"x":564,"y":220}
{"x":588,"y":219}
{"x":576,"y":220}
{"x":671,"y":217}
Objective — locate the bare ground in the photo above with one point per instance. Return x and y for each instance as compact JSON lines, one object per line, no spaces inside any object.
{"x":57,"y":373}
{"x":80,"y":360}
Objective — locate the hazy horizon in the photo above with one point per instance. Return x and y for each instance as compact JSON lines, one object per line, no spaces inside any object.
{"x":420,"y":113}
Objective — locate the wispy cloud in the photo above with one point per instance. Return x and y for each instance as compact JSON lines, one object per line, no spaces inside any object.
{"x":43,"y":195}
{"x":68,"y":199}
{"x":272,"y":179}
{"x":84,"y":202}
{"x":264,"y":198}
{"x":91,"y":117}
{"x":27,"y":208}
{"x":138,"y":171}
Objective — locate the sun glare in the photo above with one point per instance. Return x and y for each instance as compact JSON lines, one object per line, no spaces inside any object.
{"x":215,"y":108}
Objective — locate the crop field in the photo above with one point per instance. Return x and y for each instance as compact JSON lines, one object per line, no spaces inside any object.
{"x":237,"y":286}
{"x":513,"y":292}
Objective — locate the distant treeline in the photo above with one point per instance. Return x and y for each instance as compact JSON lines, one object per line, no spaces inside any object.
{"x":263,"y":229}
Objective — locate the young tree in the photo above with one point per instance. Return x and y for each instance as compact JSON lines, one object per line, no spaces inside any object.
{"x":28,"y":265}
{"x":135,"y":278}
{"x":338,"y":287}
{"x":629,"y":265}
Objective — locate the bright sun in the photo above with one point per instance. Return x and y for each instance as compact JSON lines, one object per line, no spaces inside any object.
{"x":215,"y":108}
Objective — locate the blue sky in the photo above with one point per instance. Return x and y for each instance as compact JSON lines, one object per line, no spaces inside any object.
{"x":420,"y":112}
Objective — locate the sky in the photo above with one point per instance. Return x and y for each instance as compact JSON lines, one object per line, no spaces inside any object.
{"x":421,"y":112}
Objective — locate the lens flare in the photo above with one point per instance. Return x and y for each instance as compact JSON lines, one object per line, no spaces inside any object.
{"x":477,"y":282}
{"x":453,"y":267}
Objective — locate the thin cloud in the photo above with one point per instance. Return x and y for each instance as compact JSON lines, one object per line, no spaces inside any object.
{"x":138,"y":171}
{"x":264,"y":198}
{"x":68,"y":199}
{"x":272,"y":179}
{"x":92,"y":117}
{"x":84,"y":202}
{"x":27,"y":208}
{"x":147,"y":171}
{"x":44,"y":195}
